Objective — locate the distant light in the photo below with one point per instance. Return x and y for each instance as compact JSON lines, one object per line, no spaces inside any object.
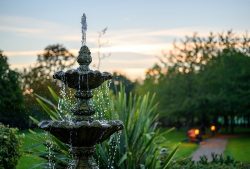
{"x":196,"y":131}
{"x":213,"y":128}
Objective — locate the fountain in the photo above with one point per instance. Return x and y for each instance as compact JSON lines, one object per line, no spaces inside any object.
{"x":83,"y":132}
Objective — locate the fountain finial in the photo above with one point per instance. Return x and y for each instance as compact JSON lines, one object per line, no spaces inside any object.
{"x":84,"y":57}
{"x":84,"y":29}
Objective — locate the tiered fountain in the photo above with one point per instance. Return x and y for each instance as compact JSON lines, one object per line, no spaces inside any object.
{"x":83,"y":132}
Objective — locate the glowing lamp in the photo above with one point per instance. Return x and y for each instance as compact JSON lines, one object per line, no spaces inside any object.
{"x":213,"y":128}
{"x":196,"y":131}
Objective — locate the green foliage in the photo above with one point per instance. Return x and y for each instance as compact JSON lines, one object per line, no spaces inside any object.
{"x":179,"y":136}
{"x":48,"y":150}
{"x":11,"y":98}
{"x":37,"y":78}
{"x":140,"y":140}
{"x":118,"y":80}
{"x":225,"y":81}
{"x":237,"y":148}
{"x":201,"y":77}
{"x":224,"y":85}
{"x":28,"y":160}
{"x":218,"y":162}
{"x":10,"y":147}
{"x":55,"y":152}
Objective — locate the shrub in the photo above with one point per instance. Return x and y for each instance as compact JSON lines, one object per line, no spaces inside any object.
{"x":139,"y":140}
{"x":10,"y":147}
{"x":218,"y":162}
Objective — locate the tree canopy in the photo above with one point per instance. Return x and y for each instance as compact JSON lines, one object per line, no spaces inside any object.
{"x":36,"y":79}
{"x":11,"y":102}
{"x":202,"y":77}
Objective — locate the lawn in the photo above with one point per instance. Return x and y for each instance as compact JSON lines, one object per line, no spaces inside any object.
{"x":239,"y":148}
{"x":28,"y":160}
{"x":179,"y":136}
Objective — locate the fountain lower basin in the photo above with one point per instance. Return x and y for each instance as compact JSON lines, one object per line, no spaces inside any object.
{"x":82,"y":133}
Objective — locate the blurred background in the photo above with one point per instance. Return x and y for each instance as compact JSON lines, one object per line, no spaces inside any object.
{"x":193,"y":55}
{"x":136,"y":30}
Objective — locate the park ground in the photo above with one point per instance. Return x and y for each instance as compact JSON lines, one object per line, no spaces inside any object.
{"x":237,"y":147}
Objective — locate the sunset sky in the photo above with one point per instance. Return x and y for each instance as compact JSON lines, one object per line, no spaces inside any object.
{"x":137,"y":30}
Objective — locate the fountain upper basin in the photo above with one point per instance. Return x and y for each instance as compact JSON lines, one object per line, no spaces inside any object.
{"x":83,"y":133}
{"x":82,"y":80}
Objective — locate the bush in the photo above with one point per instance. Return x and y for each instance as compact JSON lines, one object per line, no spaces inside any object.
{"x":140,"y":140}
{"x":10,"y":147}
{"x":218,"y":162}
{"x":11,"y":98}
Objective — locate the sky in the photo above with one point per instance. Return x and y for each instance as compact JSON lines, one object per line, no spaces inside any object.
{"x":138,"y":31}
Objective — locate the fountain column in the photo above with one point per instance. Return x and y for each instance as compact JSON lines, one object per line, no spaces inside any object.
{"x":84,"y":157}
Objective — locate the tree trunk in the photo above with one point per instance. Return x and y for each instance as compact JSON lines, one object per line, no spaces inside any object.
{"x":248,"y":120}
{"x":232,"y":124}
{"x":226,"y":121}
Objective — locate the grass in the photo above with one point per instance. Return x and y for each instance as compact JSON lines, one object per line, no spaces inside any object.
{"x":239,"y":148}
{"x":28,"y":160}
{"x":185,"y":149}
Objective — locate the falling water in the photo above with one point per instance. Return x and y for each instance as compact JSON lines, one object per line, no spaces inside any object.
{"x":60,"y":101}
{"x":64,"y":104}
{"x":72,"y":162}
{"x":49,"y":146}
{"x":114,"y":141}
{"x":102,"y":102}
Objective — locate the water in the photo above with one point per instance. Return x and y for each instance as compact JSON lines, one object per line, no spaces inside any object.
{"x":79,"y":83}
{"x":102,"y":102}
{"x":84,"y":29}
{"x":72,"y":161}
{"x":114,"y":141}
{"x":64,"y":104}
{"x":49,"y":148}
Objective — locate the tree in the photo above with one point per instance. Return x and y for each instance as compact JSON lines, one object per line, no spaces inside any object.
{"x":192,"y":53}
{"x":55,"y":57}
{"x":11,"y":98}
{"x":225,"y":85}
{"x":176,"y":78}
{"x":36,"y":79}
{"x":118,"y":80}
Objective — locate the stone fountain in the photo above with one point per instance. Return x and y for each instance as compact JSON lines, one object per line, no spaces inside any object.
{"x":83,"y":132}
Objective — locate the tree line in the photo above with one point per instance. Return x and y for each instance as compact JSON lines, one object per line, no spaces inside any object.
{"x":203,"y":81}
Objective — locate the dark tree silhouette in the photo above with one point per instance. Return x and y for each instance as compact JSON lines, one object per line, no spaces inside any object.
{"x":11,"y":98}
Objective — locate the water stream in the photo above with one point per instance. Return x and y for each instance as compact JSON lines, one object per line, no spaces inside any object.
{"x":113,"y":145}
{"x":102,"y":102}
{"x":49,"y":148}
{"x":71,"y":162}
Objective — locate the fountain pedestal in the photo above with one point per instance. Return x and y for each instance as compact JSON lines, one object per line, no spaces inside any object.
{"x":84,"y":157}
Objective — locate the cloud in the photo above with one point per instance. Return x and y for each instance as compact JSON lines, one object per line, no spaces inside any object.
{"x":20,"y":30}
{"x":28,"y":26}
{"x":22,"y":53}
{"x":20,"y":66}
{"x":132,"y":64}
{"x":132,"y":73}
{"x":132,"y":50}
